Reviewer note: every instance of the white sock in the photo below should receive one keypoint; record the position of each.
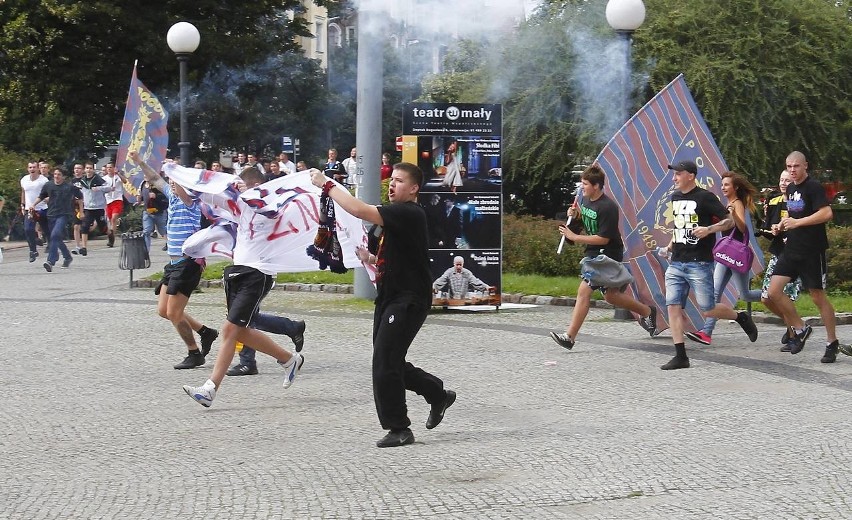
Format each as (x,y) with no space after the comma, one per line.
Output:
(209,385)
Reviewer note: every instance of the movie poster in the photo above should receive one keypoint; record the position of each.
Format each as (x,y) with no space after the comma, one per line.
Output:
(458,147)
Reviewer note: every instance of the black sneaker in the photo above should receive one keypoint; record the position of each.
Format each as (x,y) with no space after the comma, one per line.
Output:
(66,262)
(111,239)
(75,251)
(299,337)
(396,438)
(748,325)
(436,415)
(786,338)
(787,346)
(192,360)
(846,349)
(83,251)
(242,370)
(797,342)
(830,355)
(676,363)
(650,323)
(207,340)
(48,267)
(562,339)
(33,256)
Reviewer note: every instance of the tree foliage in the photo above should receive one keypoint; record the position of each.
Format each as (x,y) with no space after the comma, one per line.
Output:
(65,66)
(769,77)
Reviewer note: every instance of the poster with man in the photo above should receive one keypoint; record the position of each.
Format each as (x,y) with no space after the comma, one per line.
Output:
(458,147)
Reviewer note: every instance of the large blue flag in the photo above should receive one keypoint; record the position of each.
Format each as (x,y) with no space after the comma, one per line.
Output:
(668,128)
(144,130)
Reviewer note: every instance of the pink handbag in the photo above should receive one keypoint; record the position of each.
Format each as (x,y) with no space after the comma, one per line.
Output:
(734,253)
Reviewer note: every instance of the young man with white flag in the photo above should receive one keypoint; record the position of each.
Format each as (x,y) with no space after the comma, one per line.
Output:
(247,283)
(182,274)
(404,285)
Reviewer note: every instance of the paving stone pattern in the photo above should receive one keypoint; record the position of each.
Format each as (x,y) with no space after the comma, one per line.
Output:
(95,424)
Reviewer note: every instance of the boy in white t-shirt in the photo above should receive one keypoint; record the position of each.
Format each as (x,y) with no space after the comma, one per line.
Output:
(114,200)
(31,185)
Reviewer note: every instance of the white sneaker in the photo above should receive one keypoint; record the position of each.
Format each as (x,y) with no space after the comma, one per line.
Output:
(202,395)
(292,367)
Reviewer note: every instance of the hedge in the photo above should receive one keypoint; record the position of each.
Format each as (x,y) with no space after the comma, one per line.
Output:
(529,247)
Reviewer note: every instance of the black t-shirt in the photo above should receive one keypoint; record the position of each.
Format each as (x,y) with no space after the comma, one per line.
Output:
(600,217)
(403,254)
(698,208)
(804,200)
(62,198)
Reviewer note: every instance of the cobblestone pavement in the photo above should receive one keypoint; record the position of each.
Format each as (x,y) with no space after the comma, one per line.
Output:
(95,424)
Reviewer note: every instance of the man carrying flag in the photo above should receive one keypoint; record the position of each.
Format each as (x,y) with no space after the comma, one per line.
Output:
(182,274)
(602,239)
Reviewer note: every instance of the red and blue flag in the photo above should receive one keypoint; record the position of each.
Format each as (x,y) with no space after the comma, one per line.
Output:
(145,130)
(667,129)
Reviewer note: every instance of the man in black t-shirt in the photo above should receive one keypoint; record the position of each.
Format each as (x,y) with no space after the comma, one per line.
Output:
(804,256)
(404,284)
(63,199)
(600,220)
(697,216)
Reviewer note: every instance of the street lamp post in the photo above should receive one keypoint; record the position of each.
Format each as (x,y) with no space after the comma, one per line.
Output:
(183,38)
(625,16)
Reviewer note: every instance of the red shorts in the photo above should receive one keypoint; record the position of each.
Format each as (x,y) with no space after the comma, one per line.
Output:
(114,208)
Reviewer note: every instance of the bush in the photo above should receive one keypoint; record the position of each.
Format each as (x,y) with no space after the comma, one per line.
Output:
(529,247)
(839,258)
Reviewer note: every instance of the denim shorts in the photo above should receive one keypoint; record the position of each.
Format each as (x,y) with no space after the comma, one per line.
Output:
(681,276)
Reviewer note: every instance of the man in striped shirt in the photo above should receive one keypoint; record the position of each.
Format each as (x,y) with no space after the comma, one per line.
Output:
(182,274)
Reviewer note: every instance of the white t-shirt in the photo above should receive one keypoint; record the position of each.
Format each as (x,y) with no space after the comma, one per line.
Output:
(32,189)
(114,182)
(287,167)
(351,167)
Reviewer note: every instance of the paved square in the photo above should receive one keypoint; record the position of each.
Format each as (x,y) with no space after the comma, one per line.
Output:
(95,424)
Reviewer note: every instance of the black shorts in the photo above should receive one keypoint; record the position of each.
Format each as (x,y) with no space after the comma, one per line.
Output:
(811,268)
(245,288)
(182,277)
(91,216)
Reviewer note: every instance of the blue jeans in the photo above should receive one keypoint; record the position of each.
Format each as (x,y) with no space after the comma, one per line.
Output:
(681,276)
(721,276)
(266,323)
(151,221)
(30,228)
(57,239)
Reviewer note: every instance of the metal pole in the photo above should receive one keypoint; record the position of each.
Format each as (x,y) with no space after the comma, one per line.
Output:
(185,159)
(624,314)
(369,119)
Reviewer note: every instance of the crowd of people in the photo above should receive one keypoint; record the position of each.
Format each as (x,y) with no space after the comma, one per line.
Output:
(795,223)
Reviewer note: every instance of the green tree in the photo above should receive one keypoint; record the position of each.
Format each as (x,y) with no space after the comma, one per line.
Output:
(65,66)
(769,77)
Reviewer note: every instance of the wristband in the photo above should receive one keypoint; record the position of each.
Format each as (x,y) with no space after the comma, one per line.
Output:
(327,186)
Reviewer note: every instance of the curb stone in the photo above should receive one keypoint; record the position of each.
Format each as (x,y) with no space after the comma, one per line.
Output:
(843,318)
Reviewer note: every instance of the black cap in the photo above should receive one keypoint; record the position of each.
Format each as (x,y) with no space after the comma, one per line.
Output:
(685,166)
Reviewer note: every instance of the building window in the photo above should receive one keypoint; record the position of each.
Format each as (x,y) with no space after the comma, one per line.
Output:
(350,35)
(319,34)
(335,38)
